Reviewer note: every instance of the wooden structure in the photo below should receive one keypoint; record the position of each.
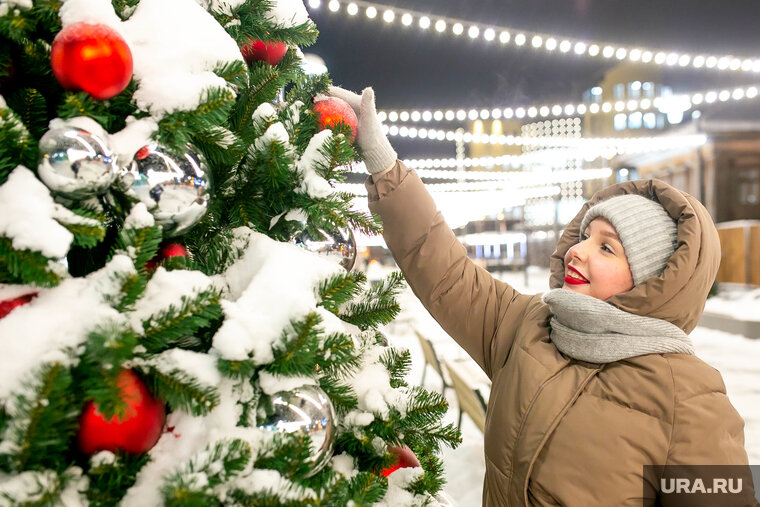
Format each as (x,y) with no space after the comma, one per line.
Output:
(469,398)
(740,246)
(431,359)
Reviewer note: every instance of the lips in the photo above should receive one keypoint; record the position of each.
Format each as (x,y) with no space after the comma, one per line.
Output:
(575,281)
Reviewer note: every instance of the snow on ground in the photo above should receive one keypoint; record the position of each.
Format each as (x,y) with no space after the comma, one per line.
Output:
(736,357)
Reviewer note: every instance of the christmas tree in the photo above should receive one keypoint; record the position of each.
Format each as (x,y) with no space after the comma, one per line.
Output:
(179,320)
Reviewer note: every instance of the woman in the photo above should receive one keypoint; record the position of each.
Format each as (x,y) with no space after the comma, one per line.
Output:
(597,378)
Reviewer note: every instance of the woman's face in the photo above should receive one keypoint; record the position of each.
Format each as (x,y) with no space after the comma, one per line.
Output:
(597,265)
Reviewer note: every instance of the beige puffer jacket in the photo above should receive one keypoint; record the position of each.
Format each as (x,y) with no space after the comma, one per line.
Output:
(559,431)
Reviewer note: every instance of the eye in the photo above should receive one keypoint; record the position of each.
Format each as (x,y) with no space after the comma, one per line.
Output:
(607,249)
(584,237)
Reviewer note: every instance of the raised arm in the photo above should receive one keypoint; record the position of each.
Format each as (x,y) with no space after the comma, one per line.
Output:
(481,313)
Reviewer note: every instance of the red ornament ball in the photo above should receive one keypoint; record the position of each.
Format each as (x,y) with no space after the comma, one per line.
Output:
(166,251)
(92,58)
(332,110)
(260,51)
(405,459)
(135,433)
(7,306)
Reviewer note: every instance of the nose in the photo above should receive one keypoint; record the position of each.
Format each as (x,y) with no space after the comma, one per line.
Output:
(577,251)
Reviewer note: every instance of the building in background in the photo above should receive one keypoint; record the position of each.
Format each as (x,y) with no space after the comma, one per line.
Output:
(724,173)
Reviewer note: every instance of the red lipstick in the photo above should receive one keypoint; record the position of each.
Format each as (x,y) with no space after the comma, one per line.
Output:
(574,281)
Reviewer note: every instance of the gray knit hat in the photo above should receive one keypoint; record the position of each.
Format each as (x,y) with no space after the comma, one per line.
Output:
(648,233)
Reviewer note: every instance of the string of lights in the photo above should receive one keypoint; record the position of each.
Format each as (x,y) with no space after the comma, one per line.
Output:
(423,167)
(499,189)
(619,144)
(566,46)
(682,102)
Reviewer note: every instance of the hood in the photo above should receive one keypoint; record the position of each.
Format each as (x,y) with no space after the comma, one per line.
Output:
(678,295)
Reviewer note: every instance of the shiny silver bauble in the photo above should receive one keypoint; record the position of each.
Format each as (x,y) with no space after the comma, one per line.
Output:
(75,163)
(176,188)
(306,410)
(338,245)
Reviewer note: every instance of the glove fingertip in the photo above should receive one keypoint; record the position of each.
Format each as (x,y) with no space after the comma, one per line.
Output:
(368,99)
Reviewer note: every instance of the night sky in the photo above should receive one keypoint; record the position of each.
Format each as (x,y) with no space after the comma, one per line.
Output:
(411,69)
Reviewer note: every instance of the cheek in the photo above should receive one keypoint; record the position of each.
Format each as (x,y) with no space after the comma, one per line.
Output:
(617,276)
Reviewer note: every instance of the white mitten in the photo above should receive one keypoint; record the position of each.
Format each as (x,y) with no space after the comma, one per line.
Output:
(378,152)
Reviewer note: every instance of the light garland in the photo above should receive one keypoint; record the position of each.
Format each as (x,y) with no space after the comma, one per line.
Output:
(460,207)
(423,167)
(529,181)
(682,102)
(481,188)
(626,144)
(521,178)
(565,46)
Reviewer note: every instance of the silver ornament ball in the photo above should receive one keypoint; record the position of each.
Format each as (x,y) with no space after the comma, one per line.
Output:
(176,188)
(309,411)
(338,245)
(75,163)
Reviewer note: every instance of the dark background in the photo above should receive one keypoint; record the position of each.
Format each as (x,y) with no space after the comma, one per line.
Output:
(414,69)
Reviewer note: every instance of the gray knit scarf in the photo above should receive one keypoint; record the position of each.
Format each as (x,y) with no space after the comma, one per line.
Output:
(589,329)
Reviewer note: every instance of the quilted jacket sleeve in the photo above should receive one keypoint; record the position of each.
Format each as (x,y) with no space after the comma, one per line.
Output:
(481,313)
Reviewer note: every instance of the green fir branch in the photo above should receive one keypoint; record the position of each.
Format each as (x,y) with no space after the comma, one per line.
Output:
(262,87)
(272,179)
(162,330)
(124,8)
(301,35)
(17,27)
(182,392)
(176,130)
(109,481)
(213,249)
(339,356)
(424,407)
(268,498)
(235,73)
(45,13)
(367,314)
(360,445)
(26,267)
(140,244)
(82,104)
(378,306)
(17,147)
(305,88)
(340,288)
(432,479)
(364,488)
(299,348)
(397,362)
(106,350)
(433,437)
(342,396)
(252,21)
(40,422)
(217,464)
(86,235)
(335,211)
(289,453)
(336,153)
(237,369)
(31,107)
(132,288)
